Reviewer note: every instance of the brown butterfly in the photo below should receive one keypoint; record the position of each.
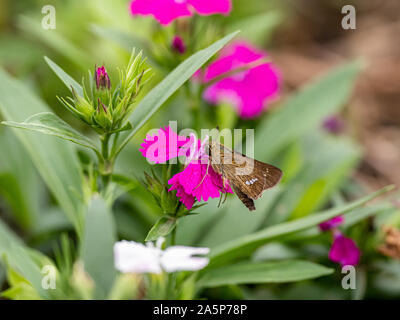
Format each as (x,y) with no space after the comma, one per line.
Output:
(248,177)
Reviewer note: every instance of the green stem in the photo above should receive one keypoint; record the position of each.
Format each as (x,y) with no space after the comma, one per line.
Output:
(104,145)
(173,237)
(106,163)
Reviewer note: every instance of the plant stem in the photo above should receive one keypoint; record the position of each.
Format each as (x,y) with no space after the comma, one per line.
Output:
(106,164)
(173,237)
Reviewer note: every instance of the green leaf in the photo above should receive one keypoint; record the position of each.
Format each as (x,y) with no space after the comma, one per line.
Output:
(49,123)
(245,245)
(64,77)
(17,255)
(162,228)
(152,102)
(266,272)
(11,191)
(305,111)
(98,247)
(239,219)
(327,162)
(20,184)
(55,160)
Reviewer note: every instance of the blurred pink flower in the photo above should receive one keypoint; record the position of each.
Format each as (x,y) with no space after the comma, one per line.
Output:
(166,11)
(344,250)
(249,90)
(163,145)
(333,124)
(331,224)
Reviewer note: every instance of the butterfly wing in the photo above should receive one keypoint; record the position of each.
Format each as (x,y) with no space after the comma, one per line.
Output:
(248,202)
(251,177)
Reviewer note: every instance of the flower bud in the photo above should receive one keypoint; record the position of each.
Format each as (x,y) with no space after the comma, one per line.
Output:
(178,45)
(103,116)
(102,79)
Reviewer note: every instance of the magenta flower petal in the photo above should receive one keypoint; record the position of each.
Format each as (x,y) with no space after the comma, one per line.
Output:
(164,11)
(102,79)
(208,7)
(162,146)
(344,251)
(331,224)
(189,182)
(232,57)
(248,91)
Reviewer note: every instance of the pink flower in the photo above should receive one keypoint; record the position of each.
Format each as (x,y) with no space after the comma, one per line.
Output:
(195,182)
(344,251)
(249,90)
(164,145)
(166,11)
(331,224)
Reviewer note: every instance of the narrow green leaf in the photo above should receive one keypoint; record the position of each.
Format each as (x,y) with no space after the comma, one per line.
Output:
(266,272)
(306,110)
(245,245)
(64,77)
(49,123)
(11,191)
(152,102)
(98,247)
(55,160)
(162,228)
(17,256)
(239,219)
(19,181)
(327,162)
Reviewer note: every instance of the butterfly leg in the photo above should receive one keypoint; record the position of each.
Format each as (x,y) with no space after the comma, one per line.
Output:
(205,175)
(226,196)
(220,199)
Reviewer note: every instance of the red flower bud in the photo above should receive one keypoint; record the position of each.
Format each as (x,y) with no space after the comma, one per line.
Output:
(178,45)
(102,79)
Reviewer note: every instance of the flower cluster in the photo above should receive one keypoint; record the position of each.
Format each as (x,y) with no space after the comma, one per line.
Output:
(133,257)
(197,181)
(166,11)
(241,76)
(104,109)
(344,250)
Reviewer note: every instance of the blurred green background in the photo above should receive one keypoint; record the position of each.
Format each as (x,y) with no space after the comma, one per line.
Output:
(321,64)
